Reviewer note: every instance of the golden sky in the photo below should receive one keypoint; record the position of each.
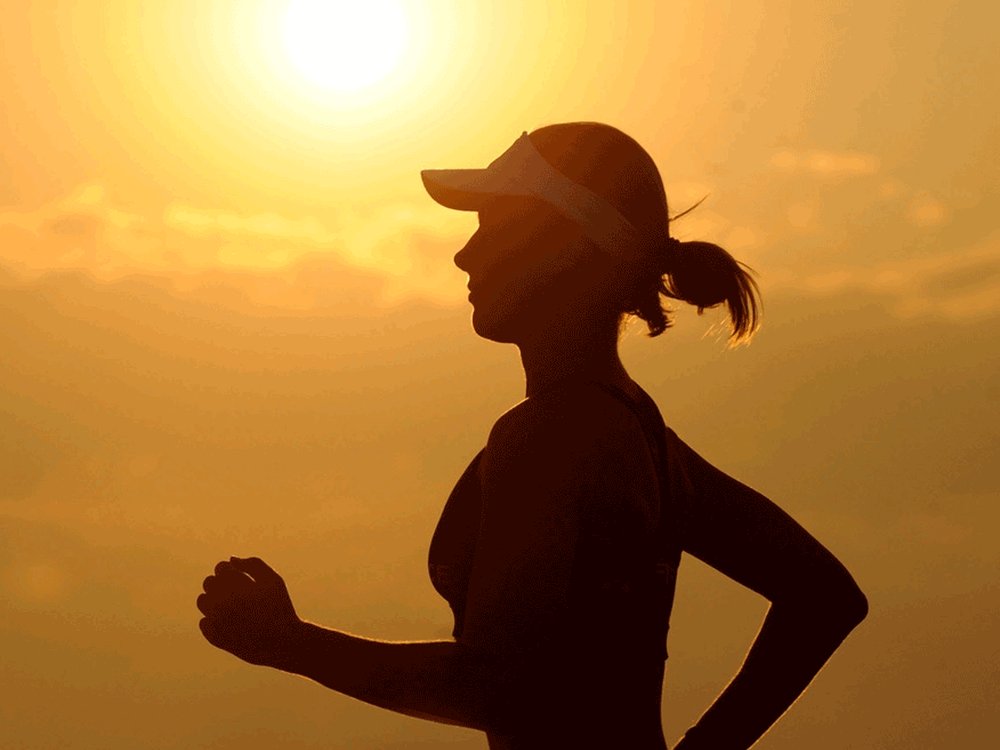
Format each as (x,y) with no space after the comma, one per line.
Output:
(232,325)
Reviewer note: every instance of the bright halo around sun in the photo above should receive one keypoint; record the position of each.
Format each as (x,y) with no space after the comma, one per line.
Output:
(345,45)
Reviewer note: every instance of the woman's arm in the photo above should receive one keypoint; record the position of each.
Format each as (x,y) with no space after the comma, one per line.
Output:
(442,681)
(249,613)
(815,602)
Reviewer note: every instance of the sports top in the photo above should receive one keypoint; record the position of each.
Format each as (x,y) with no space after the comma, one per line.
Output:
(625,566)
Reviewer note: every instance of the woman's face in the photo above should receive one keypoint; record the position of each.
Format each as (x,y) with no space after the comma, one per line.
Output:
(523,264)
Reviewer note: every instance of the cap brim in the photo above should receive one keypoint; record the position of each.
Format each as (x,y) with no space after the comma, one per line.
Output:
(461,189)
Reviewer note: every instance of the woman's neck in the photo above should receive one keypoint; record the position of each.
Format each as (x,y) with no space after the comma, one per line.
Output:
(553,358)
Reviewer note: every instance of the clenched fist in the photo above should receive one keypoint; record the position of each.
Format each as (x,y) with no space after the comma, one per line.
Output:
(248,612)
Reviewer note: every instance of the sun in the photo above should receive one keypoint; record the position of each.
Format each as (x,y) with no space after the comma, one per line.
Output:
(345,45)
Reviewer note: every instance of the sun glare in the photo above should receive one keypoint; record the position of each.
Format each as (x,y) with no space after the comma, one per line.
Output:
(345,45)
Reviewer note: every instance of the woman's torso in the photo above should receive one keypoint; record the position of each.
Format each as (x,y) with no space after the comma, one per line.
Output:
(620,594)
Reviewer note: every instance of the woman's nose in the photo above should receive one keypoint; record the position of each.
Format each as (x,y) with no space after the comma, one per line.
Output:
(462,256)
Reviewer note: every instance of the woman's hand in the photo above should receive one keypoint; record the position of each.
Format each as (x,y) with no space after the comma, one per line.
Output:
(248,612)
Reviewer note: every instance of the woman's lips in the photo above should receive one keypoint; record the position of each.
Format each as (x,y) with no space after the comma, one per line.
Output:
(480,291)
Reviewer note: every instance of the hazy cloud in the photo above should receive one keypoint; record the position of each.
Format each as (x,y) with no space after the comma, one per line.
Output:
(959,285)
(203,222)
(925,210)
(803,214)
(826,163)
(410,249)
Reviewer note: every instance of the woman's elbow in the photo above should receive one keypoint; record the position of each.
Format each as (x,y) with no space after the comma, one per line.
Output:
(854,606)
(844,605)
(836,603)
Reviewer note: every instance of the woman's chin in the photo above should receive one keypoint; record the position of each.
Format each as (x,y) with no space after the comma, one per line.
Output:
(489,325)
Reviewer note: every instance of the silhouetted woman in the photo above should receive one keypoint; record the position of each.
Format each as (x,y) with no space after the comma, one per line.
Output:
(559,546)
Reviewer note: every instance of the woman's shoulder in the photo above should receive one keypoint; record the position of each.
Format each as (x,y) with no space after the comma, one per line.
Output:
(580,414)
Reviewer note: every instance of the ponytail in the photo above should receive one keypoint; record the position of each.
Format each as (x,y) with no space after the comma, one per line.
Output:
(613,166)
(704,275)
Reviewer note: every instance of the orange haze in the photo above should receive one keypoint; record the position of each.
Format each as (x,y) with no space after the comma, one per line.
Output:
(232,325)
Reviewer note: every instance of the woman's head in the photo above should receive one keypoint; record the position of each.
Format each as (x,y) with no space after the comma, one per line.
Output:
(528,268)
(528,263)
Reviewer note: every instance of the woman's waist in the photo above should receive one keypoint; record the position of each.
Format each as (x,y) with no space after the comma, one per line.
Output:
(564,680)
(565,741)
(587,728)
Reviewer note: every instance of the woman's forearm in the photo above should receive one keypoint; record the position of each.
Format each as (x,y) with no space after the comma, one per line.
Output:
(441,681)
(790,649)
